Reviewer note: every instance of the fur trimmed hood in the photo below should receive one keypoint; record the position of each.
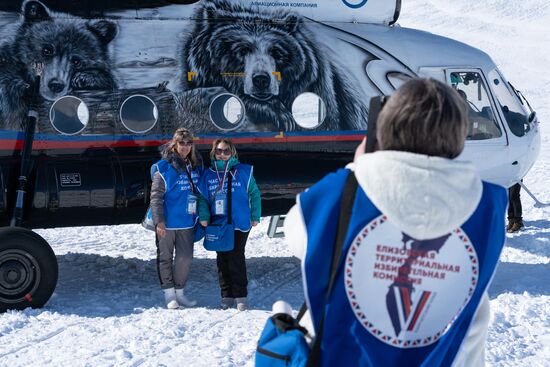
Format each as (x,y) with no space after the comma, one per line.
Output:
(426,197)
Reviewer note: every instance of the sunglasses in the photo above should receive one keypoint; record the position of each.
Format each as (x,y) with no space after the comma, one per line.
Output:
(225,151)
(185,143)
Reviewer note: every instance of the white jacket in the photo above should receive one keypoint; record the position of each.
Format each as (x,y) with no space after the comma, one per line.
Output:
(410,188)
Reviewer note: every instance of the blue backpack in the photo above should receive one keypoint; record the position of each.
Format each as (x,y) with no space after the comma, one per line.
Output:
(283,342)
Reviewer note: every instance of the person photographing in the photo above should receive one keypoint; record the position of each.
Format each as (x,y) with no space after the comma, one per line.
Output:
(420,240)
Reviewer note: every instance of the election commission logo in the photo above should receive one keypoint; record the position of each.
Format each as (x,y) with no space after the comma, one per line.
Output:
(407,292)
(355,4)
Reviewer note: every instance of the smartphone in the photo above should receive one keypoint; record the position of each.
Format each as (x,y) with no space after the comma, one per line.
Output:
(375,106)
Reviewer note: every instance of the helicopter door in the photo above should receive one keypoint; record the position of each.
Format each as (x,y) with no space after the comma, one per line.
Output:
(520,123)
(486,144)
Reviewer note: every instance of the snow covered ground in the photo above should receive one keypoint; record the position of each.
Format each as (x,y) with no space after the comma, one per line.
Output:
(107,309)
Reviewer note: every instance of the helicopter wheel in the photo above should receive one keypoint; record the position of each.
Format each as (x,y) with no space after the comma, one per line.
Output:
(28,269)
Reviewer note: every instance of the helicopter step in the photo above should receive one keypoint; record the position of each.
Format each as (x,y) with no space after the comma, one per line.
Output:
(275,222)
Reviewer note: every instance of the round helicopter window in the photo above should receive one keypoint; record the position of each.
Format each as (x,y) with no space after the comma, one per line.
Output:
(69,115)
(139,113)
(309,110)
(227,111)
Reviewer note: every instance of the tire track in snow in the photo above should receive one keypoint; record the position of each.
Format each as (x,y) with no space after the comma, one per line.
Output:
(41,339)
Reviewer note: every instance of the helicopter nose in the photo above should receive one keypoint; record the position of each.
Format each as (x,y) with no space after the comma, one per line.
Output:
(56,86)
(261,81)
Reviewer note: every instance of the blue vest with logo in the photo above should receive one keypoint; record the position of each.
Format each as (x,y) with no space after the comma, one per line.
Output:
(240,202)
(396,301)
(176,195)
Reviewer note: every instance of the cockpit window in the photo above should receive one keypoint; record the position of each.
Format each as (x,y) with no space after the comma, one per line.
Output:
(483,124)
(509,102)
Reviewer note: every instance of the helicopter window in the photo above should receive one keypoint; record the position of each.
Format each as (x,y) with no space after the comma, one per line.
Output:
(516,116)
(397,79)
(138,113)
(309,110)
(483,124)
(69,115)
(227,111)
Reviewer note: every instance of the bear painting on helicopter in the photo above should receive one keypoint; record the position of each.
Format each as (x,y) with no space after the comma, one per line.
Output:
(278,58)
(74,53)
(223,66)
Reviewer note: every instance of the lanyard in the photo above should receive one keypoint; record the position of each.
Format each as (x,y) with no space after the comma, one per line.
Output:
(188,170)
(221,180)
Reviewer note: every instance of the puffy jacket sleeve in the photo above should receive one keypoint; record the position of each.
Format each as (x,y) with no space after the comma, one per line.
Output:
(158,188)
(255,200)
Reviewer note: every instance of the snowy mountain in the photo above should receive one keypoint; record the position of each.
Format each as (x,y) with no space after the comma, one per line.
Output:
(108,309)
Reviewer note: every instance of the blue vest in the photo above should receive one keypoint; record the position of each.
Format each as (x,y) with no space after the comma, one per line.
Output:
(176,194)
(396,301)
(240,202)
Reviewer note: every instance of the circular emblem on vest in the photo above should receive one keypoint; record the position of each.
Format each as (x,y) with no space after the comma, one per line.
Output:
(407,292)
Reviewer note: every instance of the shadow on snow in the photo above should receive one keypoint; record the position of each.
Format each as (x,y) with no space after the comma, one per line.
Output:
(100,286)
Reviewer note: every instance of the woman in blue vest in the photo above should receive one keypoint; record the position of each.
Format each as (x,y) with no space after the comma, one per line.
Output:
(174,207)
(424,237)
(245,214)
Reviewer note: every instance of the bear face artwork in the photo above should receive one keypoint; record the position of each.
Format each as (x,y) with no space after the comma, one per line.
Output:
(241,50)
(72,51)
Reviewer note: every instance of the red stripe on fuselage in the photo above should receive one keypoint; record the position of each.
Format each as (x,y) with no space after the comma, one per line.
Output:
(14,144)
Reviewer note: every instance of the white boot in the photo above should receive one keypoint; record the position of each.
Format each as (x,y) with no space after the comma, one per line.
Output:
(242,303)
(170,299)
(183,300)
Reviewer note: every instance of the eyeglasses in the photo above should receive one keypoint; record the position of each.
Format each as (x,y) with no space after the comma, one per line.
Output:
(225,151)
(185,143)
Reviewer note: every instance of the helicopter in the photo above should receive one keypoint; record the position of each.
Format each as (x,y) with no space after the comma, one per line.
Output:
(90,90)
